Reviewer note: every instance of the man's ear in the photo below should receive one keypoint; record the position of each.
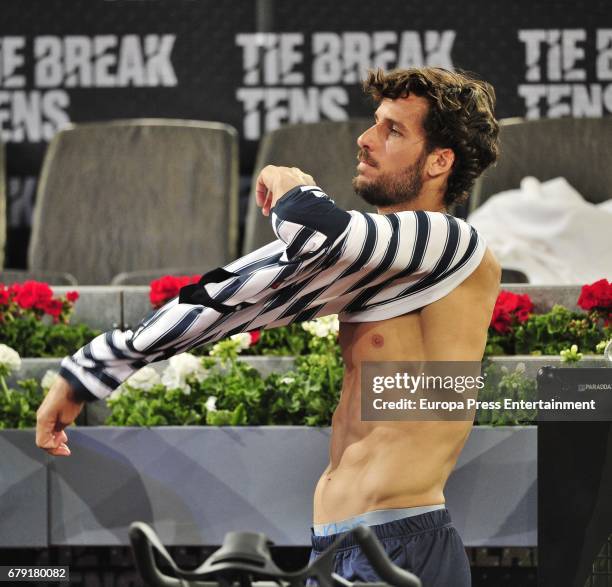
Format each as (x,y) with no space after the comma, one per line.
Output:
(440,161)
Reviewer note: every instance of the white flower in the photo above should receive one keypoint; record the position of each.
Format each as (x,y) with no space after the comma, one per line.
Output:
(323,327)
(9,358)
(189,365)
(181,367)
(520,368)
(48,379)
(243,339)
(287,380)
(172,380)
(144,379)
(211,404)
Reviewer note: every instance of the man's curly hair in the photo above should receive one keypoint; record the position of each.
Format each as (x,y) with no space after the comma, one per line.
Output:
(460,117)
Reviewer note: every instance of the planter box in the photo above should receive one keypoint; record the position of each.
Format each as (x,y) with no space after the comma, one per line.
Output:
(33,369)
(492,494)
(193,484)
(98,306)
(136,304)
(196,484)
(23,491)
(544,297)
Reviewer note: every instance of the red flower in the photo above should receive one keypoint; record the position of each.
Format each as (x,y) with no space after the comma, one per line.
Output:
(597,295)
(32,294)
(524,307)
(54,308)
(72,296)
(509,309)
(501,321)
(255,336)
(4,295)
(506,301)
(522,314)
(168,287)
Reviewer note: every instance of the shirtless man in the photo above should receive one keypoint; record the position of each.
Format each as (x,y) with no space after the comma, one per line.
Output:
(391,475)
(434,133)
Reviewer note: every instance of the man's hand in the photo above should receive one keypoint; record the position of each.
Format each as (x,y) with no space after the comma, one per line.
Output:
(58,410)
(274,182)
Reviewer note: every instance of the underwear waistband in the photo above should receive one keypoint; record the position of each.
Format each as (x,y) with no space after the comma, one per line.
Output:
(405,528)
(373,518)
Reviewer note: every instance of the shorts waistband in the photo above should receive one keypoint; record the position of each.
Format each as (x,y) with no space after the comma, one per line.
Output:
(373,518)
(411,525)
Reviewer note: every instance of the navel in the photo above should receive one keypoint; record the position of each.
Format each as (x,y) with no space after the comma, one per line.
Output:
(378,340)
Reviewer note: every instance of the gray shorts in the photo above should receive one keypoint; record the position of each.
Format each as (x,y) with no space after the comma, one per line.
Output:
(427,545)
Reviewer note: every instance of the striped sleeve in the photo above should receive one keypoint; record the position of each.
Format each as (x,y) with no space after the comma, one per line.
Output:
(99,367)
(307,220)
(307,223)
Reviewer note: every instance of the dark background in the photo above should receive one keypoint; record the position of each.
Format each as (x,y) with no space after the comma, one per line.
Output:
(208,63)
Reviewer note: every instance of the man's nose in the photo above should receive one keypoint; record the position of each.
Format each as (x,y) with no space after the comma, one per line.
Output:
(365,140)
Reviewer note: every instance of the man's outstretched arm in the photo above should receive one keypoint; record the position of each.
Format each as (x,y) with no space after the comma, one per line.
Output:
(307,224)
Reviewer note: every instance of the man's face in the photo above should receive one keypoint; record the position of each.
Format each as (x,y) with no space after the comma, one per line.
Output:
(392,153)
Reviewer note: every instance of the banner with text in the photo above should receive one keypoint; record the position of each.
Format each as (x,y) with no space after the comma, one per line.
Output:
(73,61)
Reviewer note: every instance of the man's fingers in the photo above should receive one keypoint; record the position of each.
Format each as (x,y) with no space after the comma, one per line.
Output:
(274,181)
(261,192)
(49,440)
(57,411)
(50,433)
(45,434)
(262,187)
(54,443)
(265,209)
(61,451)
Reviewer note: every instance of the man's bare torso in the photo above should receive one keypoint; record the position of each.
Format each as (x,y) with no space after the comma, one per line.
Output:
(381,465)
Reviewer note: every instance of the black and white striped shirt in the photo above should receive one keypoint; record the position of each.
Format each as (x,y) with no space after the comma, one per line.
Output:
(361,266)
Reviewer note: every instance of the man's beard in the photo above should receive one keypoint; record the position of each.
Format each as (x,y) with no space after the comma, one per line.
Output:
(390,189)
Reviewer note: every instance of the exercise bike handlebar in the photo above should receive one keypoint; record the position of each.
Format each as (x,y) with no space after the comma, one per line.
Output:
(144,539)
(380,562)
(142,548)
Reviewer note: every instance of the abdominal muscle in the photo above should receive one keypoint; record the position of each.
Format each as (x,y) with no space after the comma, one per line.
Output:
(382,465)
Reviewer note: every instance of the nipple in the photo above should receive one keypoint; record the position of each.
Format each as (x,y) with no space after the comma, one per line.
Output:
(378,340)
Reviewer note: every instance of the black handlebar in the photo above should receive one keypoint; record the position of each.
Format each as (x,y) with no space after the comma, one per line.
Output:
(142,545)
(244,555)
(380,562)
